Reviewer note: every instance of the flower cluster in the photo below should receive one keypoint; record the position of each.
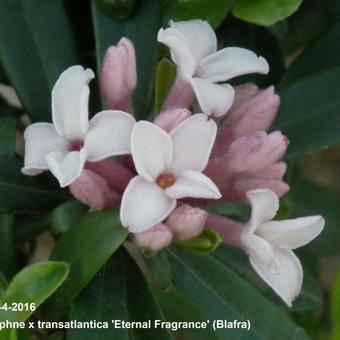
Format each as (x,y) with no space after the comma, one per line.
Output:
(169,167)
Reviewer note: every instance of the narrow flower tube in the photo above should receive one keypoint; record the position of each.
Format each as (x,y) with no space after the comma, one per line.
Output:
(186,222)
(154,239)
(169,119)
(118,76)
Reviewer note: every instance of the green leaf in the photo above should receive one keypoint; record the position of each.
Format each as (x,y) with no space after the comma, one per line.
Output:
(116,9)
(178,10)
(316,57)
(309,114)
(219,293)
(237,211)
(312,199)
(42,48)
(264,12)
(3,285)
(160,269)
(65,215)
(165,77)
(86,247)
(335,307)
(103,299)
(309,298)
(33,284)
(7,136)
(144,36)
(7,252)
(204,244)
(20,193)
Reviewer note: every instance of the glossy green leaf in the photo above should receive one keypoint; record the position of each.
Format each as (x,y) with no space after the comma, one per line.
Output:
(165,77)
(335,307)
(33,284)
(7,252)
(265,12)
(312,199)
(86,247)
(7,136)
(219,293)
(116,9)
(103,299)
(33,59)
(65,215)
(144,36)
(235,210)
(309,298)
(20,193)
(316,57)
(178,10)
(160,269)
(309,114)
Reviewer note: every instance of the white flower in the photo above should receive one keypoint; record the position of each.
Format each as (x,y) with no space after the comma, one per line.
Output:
(193,47)
(269,243)
(64,146)
(169,167)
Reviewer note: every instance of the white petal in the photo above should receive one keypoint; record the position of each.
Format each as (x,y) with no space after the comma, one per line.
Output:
(286,283)
(193,140)
(231,62)
(143,205)
(40,140)
(264,205)
(292,233)
(109,135)
(70,97)
(214,99)
(193,184)
(151,149)
(199,36)
(179,49)
(66,167)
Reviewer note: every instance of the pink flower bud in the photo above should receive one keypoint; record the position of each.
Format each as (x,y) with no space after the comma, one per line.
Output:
(156,238)
(181,95)
(255,112)
(272,171)
(229,230)
(169,119)
(92,190)
(118,76)
(249,153)
(187,222)
(116,175)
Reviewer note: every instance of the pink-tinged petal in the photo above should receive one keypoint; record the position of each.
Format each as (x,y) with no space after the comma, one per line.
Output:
(293,233)
(253,152)
(272,171)
(287,282)
(151,149)
(254,113)
(199,36)
(192,140)
(214,99)
(154,239)
(264,205)
(118,75)
(187,222)
(243,92)
(143,205)
(169,119)
(70,96)
(179,49)
(193,184)
(231,62)
(109,135)
(90,189)
(116,175)
(181,95)
(40,140)
(229,230)
(66,167)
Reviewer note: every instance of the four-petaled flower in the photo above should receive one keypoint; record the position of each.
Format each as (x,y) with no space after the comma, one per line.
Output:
(269,243)
(169,167)
(64,146)
(193,47)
